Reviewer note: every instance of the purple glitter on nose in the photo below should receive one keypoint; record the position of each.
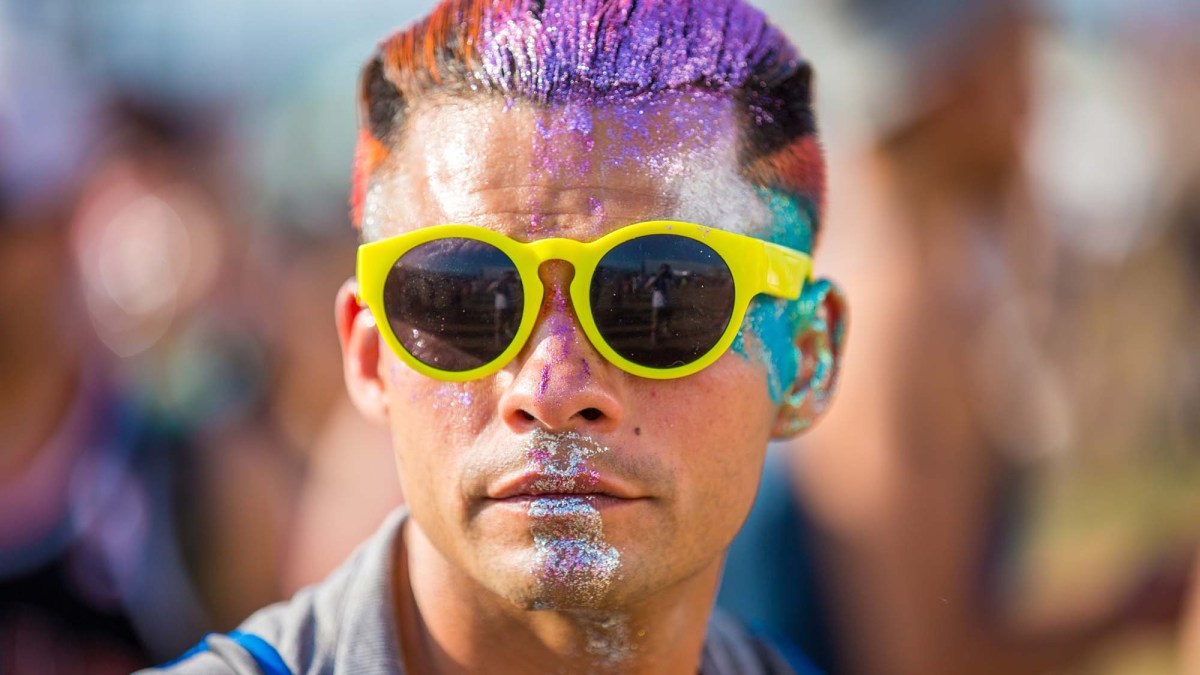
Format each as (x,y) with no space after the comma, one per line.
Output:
(562,336)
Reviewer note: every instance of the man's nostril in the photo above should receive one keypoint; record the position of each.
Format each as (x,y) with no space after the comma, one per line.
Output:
(591,414)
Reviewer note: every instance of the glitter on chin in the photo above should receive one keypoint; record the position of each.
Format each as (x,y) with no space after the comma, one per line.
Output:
(574,563)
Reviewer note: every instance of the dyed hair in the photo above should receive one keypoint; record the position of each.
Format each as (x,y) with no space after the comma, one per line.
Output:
(559,51)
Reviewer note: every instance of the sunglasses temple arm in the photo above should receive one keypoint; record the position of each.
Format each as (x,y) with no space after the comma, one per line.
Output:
(785,271)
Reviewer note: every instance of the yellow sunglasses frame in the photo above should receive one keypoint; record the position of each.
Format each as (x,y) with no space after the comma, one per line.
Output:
(757,267)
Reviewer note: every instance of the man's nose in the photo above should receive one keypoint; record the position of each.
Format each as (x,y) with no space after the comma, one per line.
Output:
(561,382)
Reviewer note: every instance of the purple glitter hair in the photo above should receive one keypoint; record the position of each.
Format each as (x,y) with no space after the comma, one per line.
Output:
(558,51)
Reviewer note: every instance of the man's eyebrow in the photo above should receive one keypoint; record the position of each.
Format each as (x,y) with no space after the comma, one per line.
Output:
(589,190)
(551,220)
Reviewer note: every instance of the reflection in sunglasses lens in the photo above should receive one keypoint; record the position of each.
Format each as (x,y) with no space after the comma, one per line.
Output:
(454,303)
(662,300)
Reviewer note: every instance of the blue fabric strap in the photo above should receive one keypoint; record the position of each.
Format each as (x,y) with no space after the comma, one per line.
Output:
(264,654)
(269,661)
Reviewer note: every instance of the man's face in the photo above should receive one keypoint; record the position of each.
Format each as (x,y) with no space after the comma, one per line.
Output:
(563,481)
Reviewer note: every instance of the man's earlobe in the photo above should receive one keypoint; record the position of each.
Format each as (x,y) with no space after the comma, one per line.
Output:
(360,353)
(820,342)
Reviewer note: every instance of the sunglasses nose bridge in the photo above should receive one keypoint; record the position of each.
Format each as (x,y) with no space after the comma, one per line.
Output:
(566,251)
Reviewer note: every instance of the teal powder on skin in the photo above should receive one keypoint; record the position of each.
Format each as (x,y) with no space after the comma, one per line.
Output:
(766,333)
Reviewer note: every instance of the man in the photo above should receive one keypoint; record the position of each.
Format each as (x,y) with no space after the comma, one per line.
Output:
(570,492)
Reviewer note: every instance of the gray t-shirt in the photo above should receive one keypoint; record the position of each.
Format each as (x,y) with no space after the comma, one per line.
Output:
(346,624)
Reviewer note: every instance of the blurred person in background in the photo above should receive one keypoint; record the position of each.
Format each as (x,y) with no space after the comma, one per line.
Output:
(125,526)
(162,261)
(1127,215)
(1168,259)
(897,524)
(91,573)
(300,257)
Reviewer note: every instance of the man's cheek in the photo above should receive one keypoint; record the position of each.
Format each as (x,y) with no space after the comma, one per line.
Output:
(445,405)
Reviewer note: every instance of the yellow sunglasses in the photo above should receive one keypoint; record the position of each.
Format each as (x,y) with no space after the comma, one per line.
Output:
(659,299)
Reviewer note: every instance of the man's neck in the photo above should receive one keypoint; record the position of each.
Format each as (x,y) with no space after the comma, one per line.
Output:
(449,625)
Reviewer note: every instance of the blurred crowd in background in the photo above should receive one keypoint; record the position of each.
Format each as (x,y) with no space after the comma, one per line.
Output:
(1009,482)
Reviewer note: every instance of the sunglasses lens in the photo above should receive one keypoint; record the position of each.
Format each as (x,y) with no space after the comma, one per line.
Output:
(454,303)
(662,300)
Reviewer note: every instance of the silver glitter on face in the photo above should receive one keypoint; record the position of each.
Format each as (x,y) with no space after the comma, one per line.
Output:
(562,460)
(574,563)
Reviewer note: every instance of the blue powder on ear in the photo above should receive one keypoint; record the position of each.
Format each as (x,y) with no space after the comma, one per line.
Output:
(770,324)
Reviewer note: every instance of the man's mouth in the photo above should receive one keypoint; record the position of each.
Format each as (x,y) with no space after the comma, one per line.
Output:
(562,467)
(537,485)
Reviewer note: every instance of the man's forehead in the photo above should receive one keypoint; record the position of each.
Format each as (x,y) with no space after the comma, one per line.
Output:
(567,166)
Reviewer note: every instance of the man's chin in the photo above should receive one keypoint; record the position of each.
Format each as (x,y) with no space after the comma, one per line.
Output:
(572,563)
(561,576)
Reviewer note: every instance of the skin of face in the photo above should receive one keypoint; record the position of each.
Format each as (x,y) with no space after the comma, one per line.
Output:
(685,455)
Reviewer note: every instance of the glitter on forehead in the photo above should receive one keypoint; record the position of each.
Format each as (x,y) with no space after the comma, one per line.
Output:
(598,213)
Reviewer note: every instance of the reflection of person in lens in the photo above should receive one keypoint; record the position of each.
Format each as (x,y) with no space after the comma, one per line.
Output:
(659,286)
(503,290)
(565,514)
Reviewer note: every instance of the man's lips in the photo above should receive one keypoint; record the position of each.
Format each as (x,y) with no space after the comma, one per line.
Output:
(536,485)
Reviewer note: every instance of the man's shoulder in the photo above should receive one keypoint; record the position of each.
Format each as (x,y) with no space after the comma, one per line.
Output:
(233,654)
(728,649)
(346,624)
(305,634)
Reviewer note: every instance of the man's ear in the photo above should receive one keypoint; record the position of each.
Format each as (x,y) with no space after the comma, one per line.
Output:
(360,353)
(820,341)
